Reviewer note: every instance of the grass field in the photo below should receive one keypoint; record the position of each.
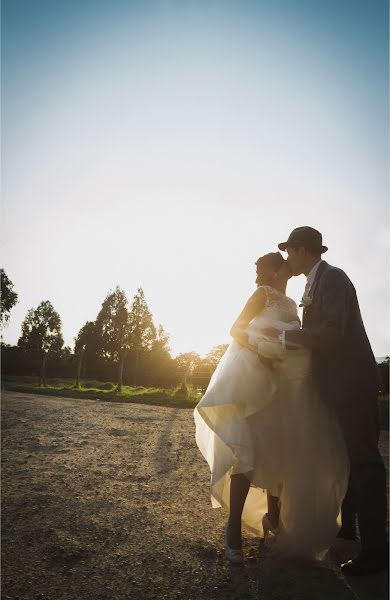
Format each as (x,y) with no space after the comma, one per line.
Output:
(181,397)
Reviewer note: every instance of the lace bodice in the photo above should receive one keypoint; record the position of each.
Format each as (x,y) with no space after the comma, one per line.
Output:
(279,306)
(280,313)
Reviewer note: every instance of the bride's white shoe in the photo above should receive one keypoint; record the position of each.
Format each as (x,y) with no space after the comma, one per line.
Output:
(268,527)
(234,555)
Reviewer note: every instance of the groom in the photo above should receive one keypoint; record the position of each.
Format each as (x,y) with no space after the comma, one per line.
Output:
(347,378)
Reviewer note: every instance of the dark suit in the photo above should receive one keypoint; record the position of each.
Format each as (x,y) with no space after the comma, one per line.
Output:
(348,381)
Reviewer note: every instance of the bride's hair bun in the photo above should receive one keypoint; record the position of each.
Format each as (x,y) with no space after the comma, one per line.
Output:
(272,260)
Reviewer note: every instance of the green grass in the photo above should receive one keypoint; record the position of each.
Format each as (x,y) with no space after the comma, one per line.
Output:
(97,390)
(180,397)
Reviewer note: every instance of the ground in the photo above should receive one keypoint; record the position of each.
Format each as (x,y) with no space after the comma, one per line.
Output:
(109,501)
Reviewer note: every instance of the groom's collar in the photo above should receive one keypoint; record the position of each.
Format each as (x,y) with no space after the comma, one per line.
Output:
(320,268)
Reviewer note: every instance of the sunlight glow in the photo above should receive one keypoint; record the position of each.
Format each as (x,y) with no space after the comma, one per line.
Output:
(169,150)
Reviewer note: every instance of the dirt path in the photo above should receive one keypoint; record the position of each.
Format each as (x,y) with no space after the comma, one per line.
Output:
(111,501)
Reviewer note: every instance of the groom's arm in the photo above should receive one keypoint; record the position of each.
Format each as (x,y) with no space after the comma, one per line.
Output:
(332,327)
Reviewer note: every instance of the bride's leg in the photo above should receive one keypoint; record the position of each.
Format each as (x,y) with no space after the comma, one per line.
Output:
(239,487)
(273,509)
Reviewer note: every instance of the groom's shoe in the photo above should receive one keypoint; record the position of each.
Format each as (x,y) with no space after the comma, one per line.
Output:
(368,562)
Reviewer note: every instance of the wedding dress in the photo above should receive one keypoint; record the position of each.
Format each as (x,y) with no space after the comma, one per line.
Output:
(270,425)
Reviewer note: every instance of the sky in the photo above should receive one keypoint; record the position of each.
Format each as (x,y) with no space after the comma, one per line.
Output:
(169,144)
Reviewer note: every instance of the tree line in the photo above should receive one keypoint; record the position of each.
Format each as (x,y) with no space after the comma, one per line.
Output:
(122,345)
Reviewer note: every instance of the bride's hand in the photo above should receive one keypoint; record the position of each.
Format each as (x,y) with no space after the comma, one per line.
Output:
(271,332)
(267,362)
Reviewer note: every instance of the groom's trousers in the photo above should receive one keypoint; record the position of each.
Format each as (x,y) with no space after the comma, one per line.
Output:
(366,496)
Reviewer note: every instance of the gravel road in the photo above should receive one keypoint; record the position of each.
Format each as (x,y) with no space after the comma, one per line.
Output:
(111,501)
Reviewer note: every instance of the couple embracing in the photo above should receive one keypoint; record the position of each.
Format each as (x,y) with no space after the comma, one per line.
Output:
(289,423)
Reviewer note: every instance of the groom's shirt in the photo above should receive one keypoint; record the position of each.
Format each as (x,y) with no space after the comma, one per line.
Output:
(309,282)
(311,277)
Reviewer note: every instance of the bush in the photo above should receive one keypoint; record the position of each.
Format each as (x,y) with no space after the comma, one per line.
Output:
(183,391)
(97,385)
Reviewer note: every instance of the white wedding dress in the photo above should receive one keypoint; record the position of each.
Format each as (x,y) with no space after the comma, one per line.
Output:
(270,425)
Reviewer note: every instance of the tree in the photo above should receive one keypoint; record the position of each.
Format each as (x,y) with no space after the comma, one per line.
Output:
(161,363)
(42,332)
(384,374)
(215,355)
(8,298)
(201,374)
(83,340)
(113,330)
(186,363)
(142,332)
(162,339)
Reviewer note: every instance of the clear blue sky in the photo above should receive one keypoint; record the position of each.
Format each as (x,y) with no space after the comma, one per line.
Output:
(169,144)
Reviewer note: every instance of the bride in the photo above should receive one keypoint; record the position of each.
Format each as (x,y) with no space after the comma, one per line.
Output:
(277,458)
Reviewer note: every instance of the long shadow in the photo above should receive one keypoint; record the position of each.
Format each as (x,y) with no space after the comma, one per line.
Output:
(268,578)
(162,450)
(297,579)
(264,577)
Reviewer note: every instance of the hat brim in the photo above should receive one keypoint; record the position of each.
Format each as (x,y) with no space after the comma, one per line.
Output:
(283,246)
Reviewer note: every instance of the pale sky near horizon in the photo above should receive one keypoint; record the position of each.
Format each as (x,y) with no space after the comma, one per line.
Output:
(169,144)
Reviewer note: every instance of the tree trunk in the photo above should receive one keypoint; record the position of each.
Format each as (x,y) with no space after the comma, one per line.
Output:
(120,372)
(43,371)
(136,365)
(120,369)
(79,365)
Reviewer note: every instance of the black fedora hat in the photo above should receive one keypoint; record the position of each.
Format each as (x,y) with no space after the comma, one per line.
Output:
(307,237)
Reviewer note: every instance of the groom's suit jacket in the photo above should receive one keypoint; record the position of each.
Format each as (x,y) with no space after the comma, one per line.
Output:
(343,362)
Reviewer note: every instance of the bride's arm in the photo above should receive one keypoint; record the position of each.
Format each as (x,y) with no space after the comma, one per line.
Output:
(252,308)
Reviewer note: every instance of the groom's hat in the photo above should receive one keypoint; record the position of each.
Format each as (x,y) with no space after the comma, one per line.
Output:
(309,238)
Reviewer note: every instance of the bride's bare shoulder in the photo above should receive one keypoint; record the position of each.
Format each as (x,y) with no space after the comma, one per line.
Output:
(262,292)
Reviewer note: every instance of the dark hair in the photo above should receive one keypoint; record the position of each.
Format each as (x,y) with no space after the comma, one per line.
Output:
(272,260)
